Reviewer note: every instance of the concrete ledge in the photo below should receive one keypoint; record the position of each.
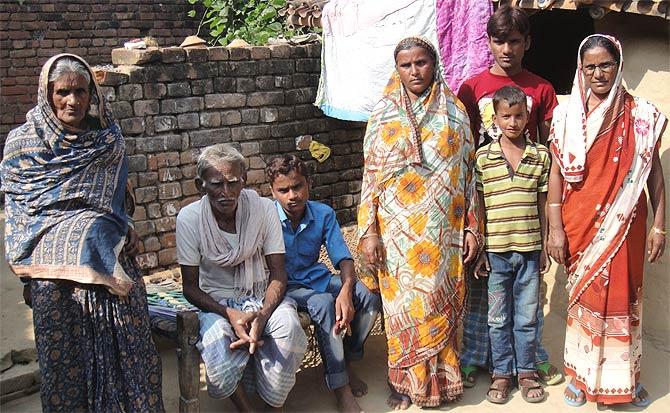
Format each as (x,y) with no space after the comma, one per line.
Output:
(19,380)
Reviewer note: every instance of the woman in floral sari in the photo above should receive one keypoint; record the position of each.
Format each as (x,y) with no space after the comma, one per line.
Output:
(418,224)
(605,148)
(64,175)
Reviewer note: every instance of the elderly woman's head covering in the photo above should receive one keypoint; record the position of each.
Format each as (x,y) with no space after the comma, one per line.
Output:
(572,131)
(53,69)
(65,188)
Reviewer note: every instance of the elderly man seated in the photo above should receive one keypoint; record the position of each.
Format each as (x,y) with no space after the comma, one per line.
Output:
(231,251)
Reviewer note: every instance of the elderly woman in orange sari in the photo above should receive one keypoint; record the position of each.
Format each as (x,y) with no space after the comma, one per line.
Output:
(605,148)
(418,224)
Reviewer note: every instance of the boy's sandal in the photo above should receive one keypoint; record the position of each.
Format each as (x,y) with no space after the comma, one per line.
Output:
(502,385)
(577,392)
(526,384)
(549,374)
(640,402)
(469,376)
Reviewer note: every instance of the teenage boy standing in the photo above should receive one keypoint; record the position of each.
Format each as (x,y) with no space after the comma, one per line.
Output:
(509,38)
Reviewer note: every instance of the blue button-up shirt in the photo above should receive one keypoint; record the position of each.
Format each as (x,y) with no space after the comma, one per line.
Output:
(303,245)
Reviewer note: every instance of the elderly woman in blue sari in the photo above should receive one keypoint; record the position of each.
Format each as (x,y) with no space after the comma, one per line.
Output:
(67,211)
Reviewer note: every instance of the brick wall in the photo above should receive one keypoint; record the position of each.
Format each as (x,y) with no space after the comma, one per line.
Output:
(259,98)
(32,32)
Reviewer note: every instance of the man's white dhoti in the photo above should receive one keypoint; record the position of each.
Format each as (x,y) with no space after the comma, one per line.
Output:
(270,370)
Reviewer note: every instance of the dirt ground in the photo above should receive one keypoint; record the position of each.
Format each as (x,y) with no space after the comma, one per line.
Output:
(310,393)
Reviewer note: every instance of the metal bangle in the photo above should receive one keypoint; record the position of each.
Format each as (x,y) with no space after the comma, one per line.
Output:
(658,231)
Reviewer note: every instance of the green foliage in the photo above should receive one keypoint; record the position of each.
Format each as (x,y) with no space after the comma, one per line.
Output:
(252,20)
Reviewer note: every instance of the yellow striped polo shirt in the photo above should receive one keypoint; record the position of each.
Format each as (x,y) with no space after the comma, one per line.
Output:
(510,197)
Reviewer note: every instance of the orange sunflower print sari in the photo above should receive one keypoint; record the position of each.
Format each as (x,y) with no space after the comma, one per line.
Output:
(419,192)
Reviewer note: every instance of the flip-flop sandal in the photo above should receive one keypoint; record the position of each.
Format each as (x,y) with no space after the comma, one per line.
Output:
(642,402)
(526,384)
(401,397)
(577,392)
(503,385)
(469,376)
(549,374)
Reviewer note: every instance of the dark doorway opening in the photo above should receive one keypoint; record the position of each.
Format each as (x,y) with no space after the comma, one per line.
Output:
(555,38)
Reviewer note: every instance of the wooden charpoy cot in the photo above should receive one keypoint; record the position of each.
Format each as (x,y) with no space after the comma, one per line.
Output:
(185,329)
(188,357)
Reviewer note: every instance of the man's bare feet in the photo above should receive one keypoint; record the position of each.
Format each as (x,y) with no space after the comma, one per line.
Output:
(346,402)
(399,401)
(359,388)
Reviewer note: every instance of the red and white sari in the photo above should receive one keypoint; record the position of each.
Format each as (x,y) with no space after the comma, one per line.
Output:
(605,159)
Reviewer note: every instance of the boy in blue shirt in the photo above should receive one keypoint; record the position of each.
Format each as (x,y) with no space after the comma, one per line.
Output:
(342,309)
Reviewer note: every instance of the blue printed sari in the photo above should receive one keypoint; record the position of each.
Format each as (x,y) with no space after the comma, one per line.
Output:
(66,225)
(65,194)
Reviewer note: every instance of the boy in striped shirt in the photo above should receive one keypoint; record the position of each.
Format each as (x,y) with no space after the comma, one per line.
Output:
(512,181)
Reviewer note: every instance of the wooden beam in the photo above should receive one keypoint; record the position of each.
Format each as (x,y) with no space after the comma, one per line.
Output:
(188,361)
(655,8)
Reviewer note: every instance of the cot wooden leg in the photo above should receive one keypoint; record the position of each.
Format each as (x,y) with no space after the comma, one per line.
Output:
(188,357)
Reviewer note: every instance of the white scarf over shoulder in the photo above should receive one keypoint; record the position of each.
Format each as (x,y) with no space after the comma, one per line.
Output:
(573,134)
(251,277)
(572,131)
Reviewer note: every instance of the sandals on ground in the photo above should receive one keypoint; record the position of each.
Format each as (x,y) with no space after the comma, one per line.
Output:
(503,385)
(641,402)
(469,376)
(577,392)
(549,374)
(401,398)
(528,383)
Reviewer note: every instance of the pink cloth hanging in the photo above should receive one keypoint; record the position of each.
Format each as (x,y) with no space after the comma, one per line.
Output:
(461,32)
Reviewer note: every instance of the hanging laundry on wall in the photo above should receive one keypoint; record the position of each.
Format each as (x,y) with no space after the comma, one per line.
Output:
(359,37)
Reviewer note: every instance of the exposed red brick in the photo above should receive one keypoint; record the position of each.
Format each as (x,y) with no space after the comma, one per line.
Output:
(168,240)
(89,29)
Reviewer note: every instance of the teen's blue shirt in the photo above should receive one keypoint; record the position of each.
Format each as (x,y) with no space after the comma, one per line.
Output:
(303,245)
